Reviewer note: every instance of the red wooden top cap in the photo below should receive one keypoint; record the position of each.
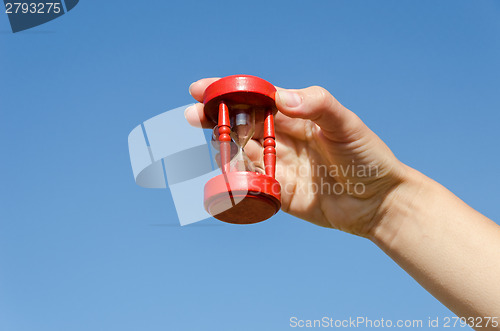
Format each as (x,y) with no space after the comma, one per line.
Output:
(238,89)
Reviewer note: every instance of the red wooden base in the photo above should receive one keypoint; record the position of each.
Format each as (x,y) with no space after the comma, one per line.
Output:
(242,197)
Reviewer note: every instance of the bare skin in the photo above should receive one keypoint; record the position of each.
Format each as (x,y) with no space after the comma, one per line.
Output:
(335,172)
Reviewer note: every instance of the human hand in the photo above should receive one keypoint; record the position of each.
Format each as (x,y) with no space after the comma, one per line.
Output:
(333,170)
(443,243)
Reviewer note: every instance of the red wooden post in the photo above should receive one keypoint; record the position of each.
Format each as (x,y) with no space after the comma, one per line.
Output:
(269,144)
(224,137)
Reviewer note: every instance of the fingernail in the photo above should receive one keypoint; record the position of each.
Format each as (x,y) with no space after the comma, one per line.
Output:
(289,98)
(190,88)
(187,110)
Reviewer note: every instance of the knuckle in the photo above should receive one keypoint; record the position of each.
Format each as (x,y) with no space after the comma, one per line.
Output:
(323,98)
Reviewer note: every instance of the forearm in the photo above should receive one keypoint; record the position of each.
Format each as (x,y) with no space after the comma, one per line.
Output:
(449,248)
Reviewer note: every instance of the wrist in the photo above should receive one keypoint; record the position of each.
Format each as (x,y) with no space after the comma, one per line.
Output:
(399,206)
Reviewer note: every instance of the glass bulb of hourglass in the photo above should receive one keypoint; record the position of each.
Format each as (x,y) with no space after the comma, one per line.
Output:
(241,162)
(243,128)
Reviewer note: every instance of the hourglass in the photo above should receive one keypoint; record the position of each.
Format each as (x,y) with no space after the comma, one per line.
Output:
(243,193)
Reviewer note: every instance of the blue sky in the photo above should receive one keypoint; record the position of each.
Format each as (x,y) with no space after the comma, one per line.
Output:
(83,248)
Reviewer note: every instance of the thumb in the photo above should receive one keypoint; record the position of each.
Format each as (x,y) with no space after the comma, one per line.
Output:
(318,105)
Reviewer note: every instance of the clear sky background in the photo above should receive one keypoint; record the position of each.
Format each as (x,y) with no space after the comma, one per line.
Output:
(82,247)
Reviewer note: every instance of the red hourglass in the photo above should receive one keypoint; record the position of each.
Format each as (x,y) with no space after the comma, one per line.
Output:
(242,194)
